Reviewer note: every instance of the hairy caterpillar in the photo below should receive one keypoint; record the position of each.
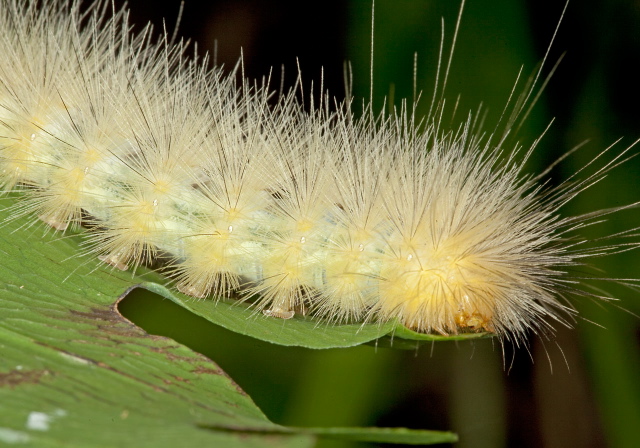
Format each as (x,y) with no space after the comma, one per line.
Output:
(375,218)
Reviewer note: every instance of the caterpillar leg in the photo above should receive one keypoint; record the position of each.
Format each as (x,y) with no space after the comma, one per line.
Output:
(278,312)
(191,290)
(474,321)
(114,260)
(54,221)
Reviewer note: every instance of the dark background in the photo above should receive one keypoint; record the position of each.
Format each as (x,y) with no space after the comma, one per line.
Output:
(581,388)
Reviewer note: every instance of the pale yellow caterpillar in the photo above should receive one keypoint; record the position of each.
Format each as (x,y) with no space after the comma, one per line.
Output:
(237,191)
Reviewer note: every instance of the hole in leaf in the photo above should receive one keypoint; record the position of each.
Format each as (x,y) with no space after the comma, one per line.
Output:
(358,386)
(263,370)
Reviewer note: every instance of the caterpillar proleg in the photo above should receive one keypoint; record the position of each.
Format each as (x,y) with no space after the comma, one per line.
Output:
(242,192)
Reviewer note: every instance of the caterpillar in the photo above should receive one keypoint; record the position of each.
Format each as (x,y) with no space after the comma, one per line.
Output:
(235,191)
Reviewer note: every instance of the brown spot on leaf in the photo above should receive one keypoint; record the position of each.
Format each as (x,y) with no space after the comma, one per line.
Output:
(109,321)
(99,314)
(200,370)
(180,379)
(166,351)
(17,377)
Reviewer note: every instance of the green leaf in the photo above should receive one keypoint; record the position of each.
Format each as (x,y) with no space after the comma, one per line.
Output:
(74,372)
(66,266)
(299,331)
(377,435)
(385,435)
(406,339)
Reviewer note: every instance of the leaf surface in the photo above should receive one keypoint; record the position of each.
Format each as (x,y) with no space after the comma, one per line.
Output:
(75,373)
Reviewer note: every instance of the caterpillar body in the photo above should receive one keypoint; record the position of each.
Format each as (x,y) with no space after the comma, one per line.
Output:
(351,218)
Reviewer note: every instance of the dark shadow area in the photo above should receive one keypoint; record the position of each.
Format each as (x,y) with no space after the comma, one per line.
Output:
(441,387)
